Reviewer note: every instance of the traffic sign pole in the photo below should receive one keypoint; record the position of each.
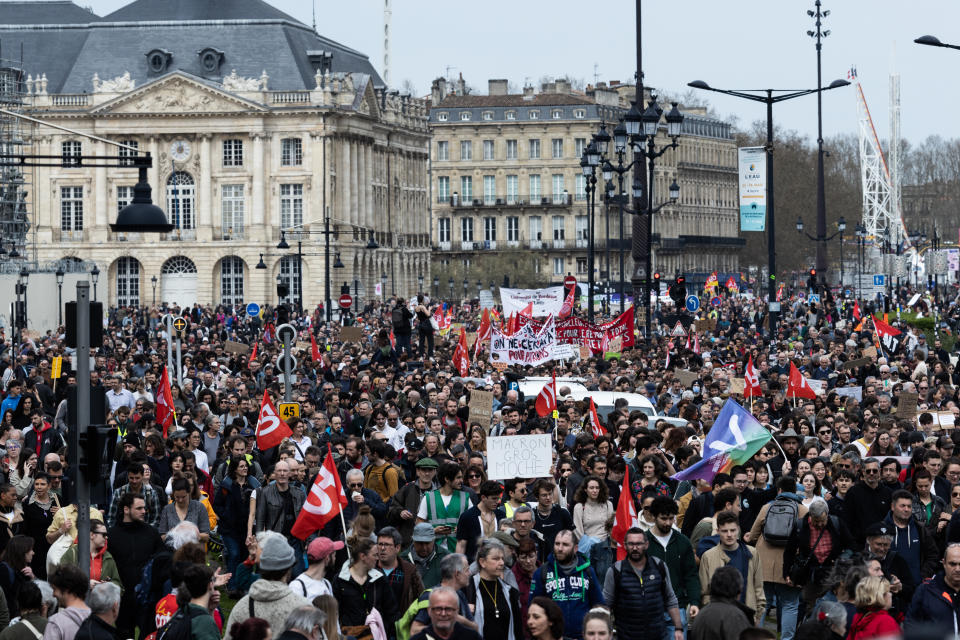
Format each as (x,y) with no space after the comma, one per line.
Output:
(168,322)
(286,334)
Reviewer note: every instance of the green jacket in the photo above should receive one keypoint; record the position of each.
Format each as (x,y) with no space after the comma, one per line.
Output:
(430,570)
(108,569)
(202,624)
(678,556)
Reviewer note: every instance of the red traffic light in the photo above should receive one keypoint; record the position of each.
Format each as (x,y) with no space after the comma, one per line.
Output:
(813,272)
(656,275)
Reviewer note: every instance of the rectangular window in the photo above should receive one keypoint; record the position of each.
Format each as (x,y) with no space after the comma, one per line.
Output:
(466,229)
(490,229)
(511,149)
(466,150)
(558,230)
(513,189)
(71,208)
(70,150)
(124,197)
(466,188)
(580,144)
(443,229)
(581,265)
(533,114)
(513,229)
(558,266)
(558,196)
(583,231)
(489,190)
(557,146)
(488,149)
(580,187)
(442,117)
(126,154)
(511,115)
(465,115)
(534,149)
(443,188)
(443,150)
(535,192)
(488,115)
(579,114)
(536,231)
(231,209)
(291,152)
(291,205)
(557,114)
(233,153)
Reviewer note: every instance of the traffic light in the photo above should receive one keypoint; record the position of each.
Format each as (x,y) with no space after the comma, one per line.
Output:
(678,291)
(656,283)
(812,280)
(97,444)
(283,314)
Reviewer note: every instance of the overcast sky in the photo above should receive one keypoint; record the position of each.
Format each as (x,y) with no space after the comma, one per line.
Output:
(737,44)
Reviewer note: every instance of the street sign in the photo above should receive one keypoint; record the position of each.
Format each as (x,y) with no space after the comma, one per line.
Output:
(253,309)
(288,410)
(346,300)
(180,325)
(814,298)
(678,330)
(879,280)
(716,301)
(693,303)
(570,281)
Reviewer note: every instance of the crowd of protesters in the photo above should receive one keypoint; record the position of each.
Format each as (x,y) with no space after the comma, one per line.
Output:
(845,524)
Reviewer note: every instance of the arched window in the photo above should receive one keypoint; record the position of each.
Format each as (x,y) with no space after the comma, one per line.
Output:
(290,272)
(180,200)
(179,264)
(231,280)
(128,282)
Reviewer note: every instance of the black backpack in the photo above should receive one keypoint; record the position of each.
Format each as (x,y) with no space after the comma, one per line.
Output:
(781,520)
(178,627)
(399,319)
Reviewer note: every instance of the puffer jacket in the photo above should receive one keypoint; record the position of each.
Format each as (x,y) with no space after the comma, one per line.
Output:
(935,608)
(272,600)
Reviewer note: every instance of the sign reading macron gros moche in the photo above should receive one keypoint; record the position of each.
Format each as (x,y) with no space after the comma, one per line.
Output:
(753,188)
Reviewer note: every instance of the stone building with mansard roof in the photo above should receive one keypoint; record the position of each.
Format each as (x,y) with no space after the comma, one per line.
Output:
(255,124)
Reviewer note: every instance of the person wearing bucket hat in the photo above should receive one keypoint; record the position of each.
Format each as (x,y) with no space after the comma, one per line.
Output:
(270,597)
(312,583)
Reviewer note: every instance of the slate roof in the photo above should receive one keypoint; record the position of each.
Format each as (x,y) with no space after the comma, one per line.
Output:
(511,100)
(253,36)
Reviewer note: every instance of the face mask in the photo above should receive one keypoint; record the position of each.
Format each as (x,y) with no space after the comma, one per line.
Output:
(696,389)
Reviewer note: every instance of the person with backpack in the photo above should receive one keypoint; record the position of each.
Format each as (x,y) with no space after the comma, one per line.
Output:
(425,328)
(568,579)
(812,550)
(637,590)
(382,475)
(770,534)
(70,587)
(192,621)
(312,583)
(400,318)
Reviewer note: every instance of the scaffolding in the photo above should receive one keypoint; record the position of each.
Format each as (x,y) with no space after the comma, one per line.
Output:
(14,178)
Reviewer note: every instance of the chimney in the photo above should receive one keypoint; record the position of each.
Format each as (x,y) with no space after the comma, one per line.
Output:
(438,91)
(497,87)
(528,92)
(461,86)
(562,86)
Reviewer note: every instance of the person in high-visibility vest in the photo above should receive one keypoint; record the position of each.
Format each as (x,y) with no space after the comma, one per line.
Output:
(442,507)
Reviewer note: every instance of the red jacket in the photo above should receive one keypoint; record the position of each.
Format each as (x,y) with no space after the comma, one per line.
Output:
(873,624)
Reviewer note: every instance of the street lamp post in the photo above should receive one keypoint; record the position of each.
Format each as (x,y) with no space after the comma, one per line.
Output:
(466,285)
(819,34)
(95,277)
(60,274)
(153,281)
(450,286)
(420,283)
(588,165)
(383,286)
(337,264)
(861,233)
(841,227)
(767,97)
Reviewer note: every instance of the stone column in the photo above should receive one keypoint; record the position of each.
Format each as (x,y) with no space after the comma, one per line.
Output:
(206,219)
(354,200)
(42,196)
(368,178)
(98,229)
(258,202)
(159,192)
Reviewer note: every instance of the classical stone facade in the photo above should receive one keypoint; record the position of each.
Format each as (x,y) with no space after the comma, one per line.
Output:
(508,190)
(242,150)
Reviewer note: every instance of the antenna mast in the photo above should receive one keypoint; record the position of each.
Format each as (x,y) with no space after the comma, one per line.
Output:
(387,13)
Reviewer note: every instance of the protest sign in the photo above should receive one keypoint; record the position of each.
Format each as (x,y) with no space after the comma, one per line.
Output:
(236,347)
(481,408)
(526,346)
(471,338)
(737,386)
(946,419)
(584,352)
(519,456)
(850,392)
(351,334)
(567,352)
(853,364)
(870,352)
(546,302)
(818,386)
(907,405)
(686,377)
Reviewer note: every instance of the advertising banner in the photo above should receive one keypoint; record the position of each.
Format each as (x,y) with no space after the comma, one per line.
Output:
(529,345)
(753,188)
(546,302)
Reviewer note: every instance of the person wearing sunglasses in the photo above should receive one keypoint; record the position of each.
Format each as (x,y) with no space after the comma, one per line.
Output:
(868,501)
(103,568)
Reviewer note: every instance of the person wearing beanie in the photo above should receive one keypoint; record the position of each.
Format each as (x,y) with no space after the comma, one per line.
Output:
(270,597)
(311,582)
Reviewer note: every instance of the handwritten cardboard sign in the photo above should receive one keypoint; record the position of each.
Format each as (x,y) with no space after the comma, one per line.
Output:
(519,456)
(584,352)
(737,386)
(481,408)
(907,405)
(870,352)
(853,364)
(236,347)
(351,334)
(850,392)
(686,377)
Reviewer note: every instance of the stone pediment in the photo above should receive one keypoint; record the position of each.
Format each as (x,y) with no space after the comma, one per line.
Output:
(366,102)
(177,94)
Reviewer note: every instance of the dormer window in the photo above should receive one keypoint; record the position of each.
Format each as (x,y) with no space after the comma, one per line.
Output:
(210,60)
(511,115)
(533,114)
(580,114)
(464,115)
(442,116)
(488,115)
(557,114)
(158,60)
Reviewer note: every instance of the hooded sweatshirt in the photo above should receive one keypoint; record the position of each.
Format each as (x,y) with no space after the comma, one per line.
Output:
(575,588)
(272,600)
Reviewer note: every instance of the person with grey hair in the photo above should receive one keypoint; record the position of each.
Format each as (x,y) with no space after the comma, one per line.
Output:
(444,620)
(496,603)
(304,623)
(104,603)
(828,614)
(455,575)
(818,530)
(181,534)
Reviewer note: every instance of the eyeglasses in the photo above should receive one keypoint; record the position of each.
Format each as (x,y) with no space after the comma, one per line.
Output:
(473,475)
(871,472)
(825,432)
(100,533)
(354,484)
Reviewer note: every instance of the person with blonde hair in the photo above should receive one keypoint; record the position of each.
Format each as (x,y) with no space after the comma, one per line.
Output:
(873,619)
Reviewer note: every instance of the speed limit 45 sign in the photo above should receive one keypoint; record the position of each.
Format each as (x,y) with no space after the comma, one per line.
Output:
(288,410)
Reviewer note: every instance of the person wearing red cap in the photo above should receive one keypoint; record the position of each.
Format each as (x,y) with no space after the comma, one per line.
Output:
(311,582)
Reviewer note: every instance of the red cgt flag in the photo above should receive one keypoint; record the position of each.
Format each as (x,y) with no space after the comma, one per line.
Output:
(547,400)
(165,411)
(797,386)
(483,333)
(751,380)
(271,429)
(527,310)
(568,303)
(461,355)
(624,518)
(324,502)
(314,349)
(596,427)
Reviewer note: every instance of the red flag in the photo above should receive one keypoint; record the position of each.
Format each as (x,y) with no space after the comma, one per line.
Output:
(568,303)
(324,502)
(856,310)
(696,343)
(483,333)
(751,386)
(596,427)
(461,355)
(393,339)
(547,400)
(527,310)
(887,335)
(797,386)
(780,293)
(253,356)
(314,349)
(164,410)
(624,518)
(687,346)
(513,324)
(271,429)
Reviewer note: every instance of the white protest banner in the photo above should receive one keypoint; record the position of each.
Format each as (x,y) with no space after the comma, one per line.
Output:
(818,386)
(566,352)
(546,302)
(519,456)
(850,392)
(753,188)
(486,299)
(526,346)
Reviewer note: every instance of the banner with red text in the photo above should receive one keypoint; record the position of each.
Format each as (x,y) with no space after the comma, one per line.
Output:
(578,331)
(530,345)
